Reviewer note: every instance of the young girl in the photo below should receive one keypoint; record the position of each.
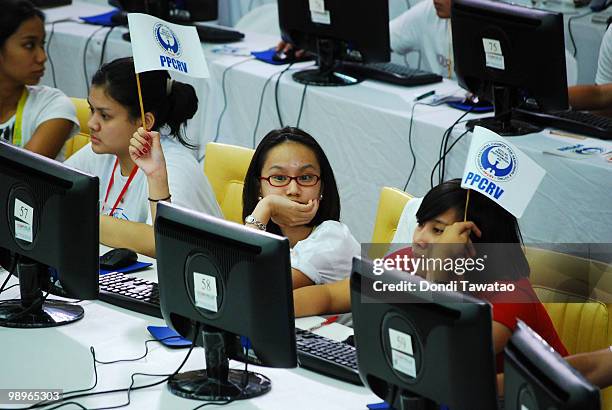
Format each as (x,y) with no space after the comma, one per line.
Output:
(441,233)
(38,118)
(290,190)
(115,118)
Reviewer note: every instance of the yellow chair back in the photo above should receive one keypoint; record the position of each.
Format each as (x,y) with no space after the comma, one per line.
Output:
(82,138)
(390,207)
(226,166)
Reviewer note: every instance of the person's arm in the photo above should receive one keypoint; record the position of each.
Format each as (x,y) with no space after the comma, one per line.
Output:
(591,97)
(321,299)
(119,233)
(595,366)
(284,211)
(299,279)
(49,137)
(501,335)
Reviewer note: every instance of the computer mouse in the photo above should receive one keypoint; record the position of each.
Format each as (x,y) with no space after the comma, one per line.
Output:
(284,56)
(118,258)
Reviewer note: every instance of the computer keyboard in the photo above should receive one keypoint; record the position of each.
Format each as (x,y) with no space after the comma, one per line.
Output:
(209,34)
(579,122)
(137,295)
(326,356)
(392,73)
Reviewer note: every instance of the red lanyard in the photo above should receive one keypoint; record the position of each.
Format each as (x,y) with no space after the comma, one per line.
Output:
(125,187)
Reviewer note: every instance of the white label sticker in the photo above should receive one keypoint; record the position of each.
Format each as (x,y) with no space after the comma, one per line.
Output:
(23,231)
(317,6)
(403,363)
(24,212)
(205,289)
(400,341)
(523,407)
(492,46)
(495,61)
(320,18)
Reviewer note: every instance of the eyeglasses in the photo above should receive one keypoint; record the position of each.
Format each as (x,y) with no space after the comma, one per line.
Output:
(284,180)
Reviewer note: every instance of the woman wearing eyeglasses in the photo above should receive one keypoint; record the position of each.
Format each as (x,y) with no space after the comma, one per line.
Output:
(290,190)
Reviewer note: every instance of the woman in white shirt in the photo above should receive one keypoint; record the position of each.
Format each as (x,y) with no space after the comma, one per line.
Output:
(38,118)
(290,190)
(115,116)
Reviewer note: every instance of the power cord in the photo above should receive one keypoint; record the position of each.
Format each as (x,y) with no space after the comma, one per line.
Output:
(280,118)
(410,145)
(571,34)
(48,44)
(104,45)
(261,100)
(301,106)
(146,343)
(85,56)
(443,152)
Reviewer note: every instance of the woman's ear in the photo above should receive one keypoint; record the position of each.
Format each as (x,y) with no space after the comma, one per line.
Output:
(149,121)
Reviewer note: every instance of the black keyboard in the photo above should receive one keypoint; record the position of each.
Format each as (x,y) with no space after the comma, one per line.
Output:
(137,295)
(392,73)
(579,122)
(326,356)
(209,34)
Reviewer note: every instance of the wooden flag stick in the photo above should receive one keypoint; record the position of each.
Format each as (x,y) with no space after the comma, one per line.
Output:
(142,114)
(467,202)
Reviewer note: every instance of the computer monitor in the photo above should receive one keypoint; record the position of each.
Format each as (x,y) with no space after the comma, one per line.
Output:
(335,30)
(234,284)
(511,55)
(536,377)
(49,222)
(421,349)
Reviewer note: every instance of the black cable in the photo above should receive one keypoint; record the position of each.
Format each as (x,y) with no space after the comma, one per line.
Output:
(35,305)
(216,138)
(146,343)
(446,138)
(410,145)
(569,29)
(49,54)
(444,154)
(297,125)
(261,99)
(214,403)
(104,45)
(85,56)
(280,118)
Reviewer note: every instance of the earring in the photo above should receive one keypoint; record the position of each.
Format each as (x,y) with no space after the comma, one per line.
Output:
(259,198)
(321,197)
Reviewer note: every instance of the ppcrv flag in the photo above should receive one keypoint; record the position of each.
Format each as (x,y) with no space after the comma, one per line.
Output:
(500,171)
(158,45)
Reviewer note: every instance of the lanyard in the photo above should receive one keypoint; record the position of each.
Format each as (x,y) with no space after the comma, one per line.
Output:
(123,191)
(19,117)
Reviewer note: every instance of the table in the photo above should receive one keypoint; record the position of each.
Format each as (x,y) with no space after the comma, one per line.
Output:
(60,358)
(364,129)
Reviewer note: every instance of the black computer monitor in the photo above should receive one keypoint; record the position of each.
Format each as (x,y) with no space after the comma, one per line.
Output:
(536,377)
(421,349)
(49,222)
(511,55)
(339,29)
(234,284)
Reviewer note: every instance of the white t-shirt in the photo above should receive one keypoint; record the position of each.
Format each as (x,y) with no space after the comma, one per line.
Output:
(188,184)
(420,29)
(408,222)
(43,104)
(327,254)
(604,64)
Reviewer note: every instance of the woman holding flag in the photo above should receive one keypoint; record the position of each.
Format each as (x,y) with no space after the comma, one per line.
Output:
(445,231)
(35,117)
(126,203)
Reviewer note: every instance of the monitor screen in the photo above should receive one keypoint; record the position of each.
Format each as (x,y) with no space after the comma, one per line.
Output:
(537,377)
(234,284)
(421,349)
(512,56)
(335,30)
(49,224)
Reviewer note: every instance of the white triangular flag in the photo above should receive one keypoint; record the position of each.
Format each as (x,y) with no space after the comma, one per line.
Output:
(500,171)
(158,45)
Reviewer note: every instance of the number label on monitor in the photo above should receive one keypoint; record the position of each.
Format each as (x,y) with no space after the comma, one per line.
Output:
(400,341)
(403,363)
(523,407)
(24,215)
(318,14)
(317,5)
(493,53)
(205,289)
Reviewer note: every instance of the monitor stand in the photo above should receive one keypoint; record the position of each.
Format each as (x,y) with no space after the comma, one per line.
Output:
(218,382)
(30,311)
(503,123)
(328,73)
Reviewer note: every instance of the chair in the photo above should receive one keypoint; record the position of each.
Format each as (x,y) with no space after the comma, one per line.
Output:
(226,166)
(390,207)
(82,138)
(576,293)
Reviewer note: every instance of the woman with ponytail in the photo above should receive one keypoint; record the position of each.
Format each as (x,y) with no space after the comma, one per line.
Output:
(127,182)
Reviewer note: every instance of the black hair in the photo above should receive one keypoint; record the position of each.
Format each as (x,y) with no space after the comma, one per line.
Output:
(329,208)
(14,13)
(171,108)
(498,226)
